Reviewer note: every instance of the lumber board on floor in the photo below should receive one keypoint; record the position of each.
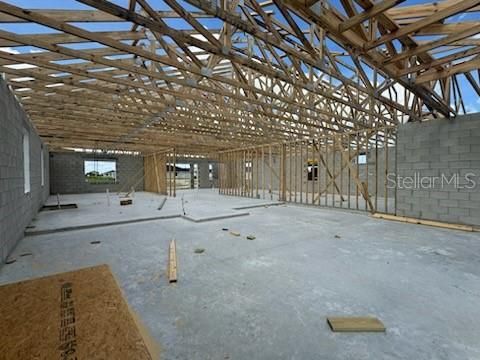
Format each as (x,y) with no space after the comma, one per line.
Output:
(162,202)
(355,324)
(74,315)
(426,222)
(172,262)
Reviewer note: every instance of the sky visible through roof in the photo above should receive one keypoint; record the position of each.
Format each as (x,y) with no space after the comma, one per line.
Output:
(470,97)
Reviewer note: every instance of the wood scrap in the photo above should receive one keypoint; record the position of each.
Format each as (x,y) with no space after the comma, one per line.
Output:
(162,202)
(172,262)
(124,202)
(411,220)
(355,324)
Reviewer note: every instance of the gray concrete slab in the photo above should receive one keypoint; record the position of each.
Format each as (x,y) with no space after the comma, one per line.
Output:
(215,218)
(100,209)
(352,202)
(269,298)
(33,232)
(96,208)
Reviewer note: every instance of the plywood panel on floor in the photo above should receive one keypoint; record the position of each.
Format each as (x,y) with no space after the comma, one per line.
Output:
(76,315)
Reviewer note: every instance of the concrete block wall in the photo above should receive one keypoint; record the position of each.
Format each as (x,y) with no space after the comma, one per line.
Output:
(17,208)
(67,173)
(440,149)
(203,175)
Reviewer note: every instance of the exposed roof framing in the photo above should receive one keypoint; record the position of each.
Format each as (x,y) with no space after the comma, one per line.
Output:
(235,73)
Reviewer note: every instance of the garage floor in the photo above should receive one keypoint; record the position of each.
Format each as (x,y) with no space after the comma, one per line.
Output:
(268,298)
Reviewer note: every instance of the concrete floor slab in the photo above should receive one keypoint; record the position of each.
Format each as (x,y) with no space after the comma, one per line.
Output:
(215,217)
(352,202)
(96,209)
(269,298)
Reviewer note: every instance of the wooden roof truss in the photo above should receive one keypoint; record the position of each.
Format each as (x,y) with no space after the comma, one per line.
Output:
(235,72)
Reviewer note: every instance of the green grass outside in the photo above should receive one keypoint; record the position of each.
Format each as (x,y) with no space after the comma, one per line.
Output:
(100,179)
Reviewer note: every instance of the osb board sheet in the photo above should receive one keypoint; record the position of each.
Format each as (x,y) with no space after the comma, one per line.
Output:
(155,173)
(354,324)
(74,315)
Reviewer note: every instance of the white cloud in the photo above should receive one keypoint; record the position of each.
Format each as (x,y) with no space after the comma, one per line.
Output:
(20,66)
(22,79)
(472,108)
(9,50)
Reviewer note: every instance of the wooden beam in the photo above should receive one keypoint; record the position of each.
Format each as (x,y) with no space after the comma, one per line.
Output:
(432,45)
(456,69)
(411,220)
(422,10)
(368,14)
(458,7)
(89,16)
(473,82)
(442,60)
(172,262)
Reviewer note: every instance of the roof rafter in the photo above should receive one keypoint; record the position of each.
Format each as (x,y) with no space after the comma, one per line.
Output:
(269,72)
